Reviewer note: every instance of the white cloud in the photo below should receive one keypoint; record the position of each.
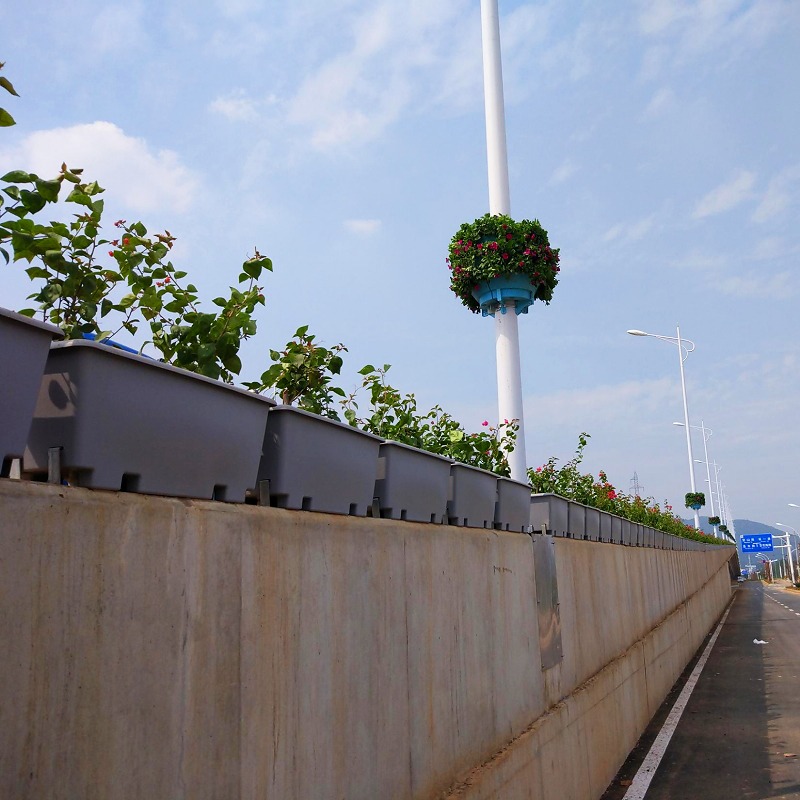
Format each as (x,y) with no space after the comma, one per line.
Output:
(117,28)
(591,407)
(661,102)
(726,196)
(137,177)
(692,29)
(778,286)
(628,233)
(234,106)
(778,195)
(564,171)
(362,227)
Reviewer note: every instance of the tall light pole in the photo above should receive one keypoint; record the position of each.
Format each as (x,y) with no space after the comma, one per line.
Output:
(685,346)
(509,376)
(790,529)
(706,436)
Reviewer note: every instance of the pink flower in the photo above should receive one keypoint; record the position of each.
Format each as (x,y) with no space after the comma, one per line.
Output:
(509,236)
(479,246)
(485,423)
(505,256)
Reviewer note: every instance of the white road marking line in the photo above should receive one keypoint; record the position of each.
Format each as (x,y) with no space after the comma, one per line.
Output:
(641,781)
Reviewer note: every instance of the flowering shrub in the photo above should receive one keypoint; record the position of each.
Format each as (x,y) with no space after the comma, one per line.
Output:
(495,246)
(395,416)
(99,286)
(568,482)
(713,520)
(302,374)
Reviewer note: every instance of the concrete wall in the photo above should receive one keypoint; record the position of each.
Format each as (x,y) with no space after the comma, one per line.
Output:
(161,648)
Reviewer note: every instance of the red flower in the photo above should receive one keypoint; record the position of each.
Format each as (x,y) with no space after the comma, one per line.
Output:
(505,256)
(611,494)
(126,240)
(485,423)
(111,253)
(480,247)
(509,236)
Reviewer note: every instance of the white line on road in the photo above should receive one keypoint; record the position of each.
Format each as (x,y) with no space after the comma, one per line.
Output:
(641,781)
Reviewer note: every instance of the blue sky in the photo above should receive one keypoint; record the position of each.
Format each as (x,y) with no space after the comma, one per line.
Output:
(656,141)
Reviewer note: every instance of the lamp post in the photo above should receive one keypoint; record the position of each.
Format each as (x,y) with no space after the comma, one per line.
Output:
(790,529)
(788,547)
(509,376)
(706,436)
(685,346)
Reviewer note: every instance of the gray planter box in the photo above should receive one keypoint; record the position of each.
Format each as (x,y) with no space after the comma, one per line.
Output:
(637,535)
(132,423)
(616,529)
(412,484)
(628,533)
(605,526)
(24,345)
(551,511)
(658,539)
(576,520)
(317,464)
(513,509)
(473,494)
(592,524)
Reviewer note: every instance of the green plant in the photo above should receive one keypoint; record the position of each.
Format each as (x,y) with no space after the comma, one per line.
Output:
(206,342)
(6,120)
(393,415)
(713,520)
(569,482)
(495,246)
(693,499)
(302,374)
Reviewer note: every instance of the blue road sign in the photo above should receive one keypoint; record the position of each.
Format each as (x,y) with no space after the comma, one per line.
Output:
(757,543)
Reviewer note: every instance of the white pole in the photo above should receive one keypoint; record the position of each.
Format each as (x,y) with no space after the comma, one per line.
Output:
(708,471)
(497,156)
(509,375)
(688,431)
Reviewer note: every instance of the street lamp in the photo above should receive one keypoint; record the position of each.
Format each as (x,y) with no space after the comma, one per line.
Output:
(706,436)
(685,346)
(789,549)
(790,529)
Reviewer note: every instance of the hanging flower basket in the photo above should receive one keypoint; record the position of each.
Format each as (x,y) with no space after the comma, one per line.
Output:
(713,520)
(695,500)
(495,259)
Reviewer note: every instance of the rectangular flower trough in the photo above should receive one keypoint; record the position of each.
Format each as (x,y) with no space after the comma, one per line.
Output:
(473,494)
(24,345)
(576,521)
(126,422)
(605,526)
(551,511)
(592,524)
(317,464)
(412,484)
(513,505)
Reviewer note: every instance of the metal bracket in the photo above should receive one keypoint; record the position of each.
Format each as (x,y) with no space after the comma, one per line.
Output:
(54,464)
(263,493)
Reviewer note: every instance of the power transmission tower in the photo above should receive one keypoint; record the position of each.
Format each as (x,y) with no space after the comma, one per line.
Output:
(636,487)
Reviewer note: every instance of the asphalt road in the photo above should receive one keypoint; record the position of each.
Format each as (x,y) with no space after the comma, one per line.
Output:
(739,736)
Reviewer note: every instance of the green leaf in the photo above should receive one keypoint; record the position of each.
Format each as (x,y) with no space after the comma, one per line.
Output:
(6,84)
(365,370)
(6,120)
(37,272)
(77,195)
(17,176)
(48,189)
